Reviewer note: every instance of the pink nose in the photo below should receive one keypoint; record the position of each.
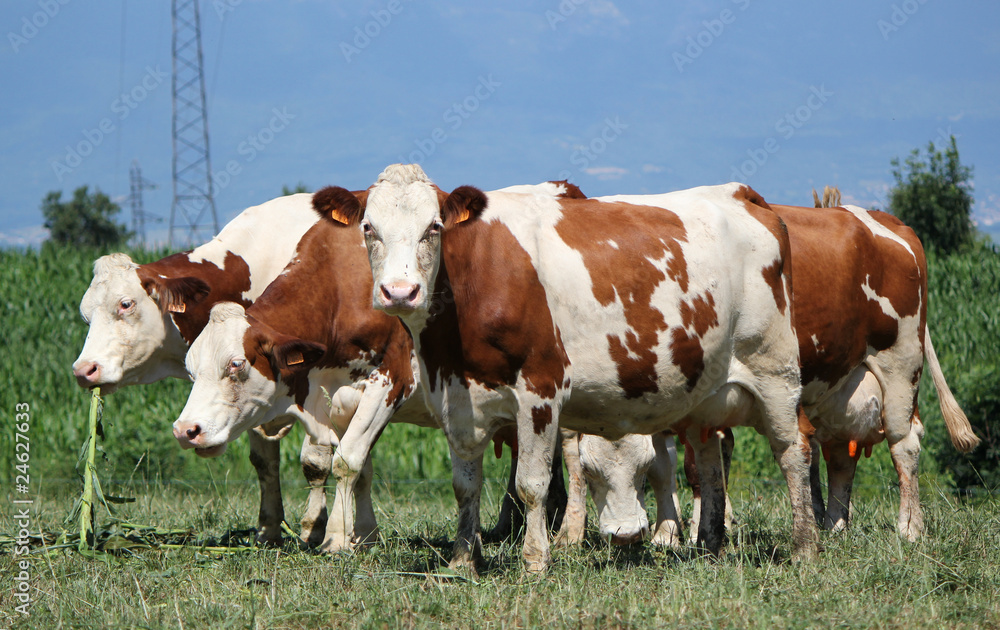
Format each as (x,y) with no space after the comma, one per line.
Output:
(187,434)
(88,374)
(400,293)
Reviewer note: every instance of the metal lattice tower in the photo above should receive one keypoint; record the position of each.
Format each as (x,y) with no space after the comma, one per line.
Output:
(192,216)
(136,184)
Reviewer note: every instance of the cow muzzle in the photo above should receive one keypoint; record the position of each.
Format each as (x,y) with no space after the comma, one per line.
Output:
(191,435)
(399,298)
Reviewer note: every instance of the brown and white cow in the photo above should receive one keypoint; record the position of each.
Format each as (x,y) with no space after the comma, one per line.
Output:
(654,317)
(859,296)
(142,319)
(310,335)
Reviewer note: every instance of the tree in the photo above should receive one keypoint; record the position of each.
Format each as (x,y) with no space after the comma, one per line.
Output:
(933,197)
(299,188)
(84,221)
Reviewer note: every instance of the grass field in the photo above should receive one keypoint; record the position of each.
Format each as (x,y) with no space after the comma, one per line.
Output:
(867,577)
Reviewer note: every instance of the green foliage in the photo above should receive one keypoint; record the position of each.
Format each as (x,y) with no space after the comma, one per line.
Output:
(964,320)
(933,197)
(84,221)
(299,188)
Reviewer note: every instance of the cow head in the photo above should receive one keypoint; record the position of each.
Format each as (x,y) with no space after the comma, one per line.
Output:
(236,364)
(403,216)
(616,474)
(128,311)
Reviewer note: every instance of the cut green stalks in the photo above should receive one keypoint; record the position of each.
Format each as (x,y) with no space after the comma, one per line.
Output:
(87,500)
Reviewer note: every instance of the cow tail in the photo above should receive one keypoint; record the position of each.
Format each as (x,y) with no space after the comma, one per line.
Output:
(958,425)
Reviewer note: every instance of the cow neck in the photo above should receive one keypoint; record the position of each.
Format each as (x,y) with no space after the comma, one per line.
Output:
(324,296)
(489,321)
(226,284)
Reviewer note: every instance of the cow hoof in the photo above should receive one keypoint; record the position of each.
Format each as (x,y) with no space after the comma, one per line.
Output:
(536,566)
(464,565)
(269,537)
(367,539)
(666,537)
(335,545)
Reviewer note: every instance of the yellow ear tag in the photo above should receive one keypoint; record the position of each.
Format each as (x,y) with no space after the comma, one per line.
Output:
(295,358)
(338,217)
(177,308)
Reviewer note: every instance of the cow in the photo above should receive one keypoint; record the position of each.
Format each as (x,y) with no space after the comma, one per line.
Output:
(602,316)
(142,319)
(311,347)
(859,296)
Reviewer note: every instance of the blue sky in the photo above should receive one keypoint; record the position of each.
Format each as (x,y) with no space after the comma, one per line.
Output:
(620,97)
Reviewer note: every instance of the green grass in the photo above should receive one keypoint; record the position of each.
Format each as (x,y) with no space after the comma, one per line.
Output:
(866,577)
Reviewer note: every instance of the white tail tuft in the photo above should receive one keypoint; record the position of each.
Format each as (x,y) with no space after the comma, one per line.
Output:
(958,425)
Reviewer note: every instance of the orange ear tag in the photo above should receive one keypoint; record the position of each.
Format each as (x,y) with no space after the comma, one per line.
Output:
(177,308)
(295,358)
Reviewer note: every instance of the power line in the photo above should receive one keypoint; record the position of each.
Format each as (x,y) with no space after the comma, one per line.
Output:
(193,218)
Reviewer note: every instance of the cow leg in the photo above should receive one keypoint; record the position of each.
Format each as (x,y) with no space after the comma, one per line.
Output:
(316,460)
(815,488)
(264,455)
(728,445)
(467,481)
(575,519)
(662,475)
(840,472)
(691,475)
(511,518)
(555,503)
(708,456)
(792,452)
(369,419)
(537,446)
(905,453)
(365,525)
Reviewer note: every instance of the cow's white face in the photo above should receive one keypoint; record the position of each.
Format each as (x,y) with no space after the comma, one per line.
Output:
(403,221)
(127,328)
(229,395)
(616,474)
(402,228)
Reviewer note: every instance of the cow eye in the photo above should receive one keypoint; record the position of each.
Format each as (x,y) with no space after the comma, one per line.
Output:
(367,228)
(236,365)
(125,305)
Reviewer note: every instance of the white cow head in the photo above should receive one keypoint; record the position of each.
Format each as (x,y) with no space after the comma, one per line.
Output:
(236,364)
(616,475)
(131,338)
(404,214)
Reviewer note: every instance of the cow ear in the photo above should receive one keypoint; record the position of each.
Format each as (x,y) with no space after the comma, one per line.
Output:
(464,203)
(297,354)
(339,205)
(570,191)
(175,295)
